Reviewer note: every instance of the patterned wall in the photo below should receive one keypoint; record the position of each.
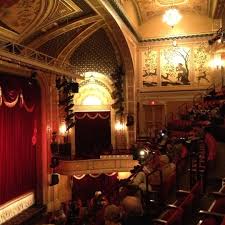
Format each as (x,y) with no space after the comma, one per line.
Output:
(54,46)
(176,66)
(95,54)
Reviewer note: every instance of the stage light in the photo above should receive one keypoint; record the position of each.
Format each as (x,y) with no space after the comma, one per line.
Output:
(74,87)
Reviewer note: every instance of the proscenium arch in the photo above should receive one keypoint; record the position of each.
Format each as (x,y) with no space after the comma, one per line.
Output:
(95,84)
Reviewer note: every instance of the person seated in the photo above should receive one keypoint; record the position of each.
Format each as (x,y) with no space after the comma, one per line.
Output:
(133,213)
(211,146)
(158,162)
(112,215)
(60,217)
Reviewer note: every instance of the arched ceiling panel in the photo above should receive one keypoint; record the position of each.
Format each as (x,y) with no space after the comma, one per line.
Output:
(54,46)
(95,54)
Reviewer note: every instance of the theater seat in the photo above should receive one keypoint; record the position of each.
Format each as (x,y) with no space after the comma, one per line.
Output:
(172,216)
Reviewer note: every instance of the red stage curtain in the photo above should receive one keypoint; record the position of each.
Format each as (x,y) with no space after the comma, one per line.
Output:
(18,130)
(93,134)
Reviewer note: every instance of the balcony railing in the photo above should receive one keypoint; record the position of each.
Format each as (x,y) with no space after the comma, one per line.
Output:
(106,164)
(18,54)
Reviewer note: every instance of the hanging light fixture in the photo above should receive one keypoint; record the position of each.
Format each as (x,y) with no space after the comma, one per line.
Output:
(172,17)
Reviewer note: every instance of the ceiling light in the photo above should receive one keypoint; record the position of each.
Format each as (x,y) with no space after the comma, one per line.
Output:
(172,17)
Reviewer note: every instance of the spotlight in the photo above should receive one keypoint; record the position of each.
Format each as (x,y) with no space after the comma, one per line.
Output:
(142,154)
(74,87)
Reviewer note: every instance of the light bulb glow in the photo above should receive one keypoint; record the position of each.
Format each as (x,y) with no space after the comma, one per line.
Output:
(172,17)
(62,129)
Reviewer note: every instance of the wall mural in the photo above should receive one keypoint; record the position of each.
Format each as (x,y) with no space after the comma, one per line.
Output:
(176,66)
(201,68)
(149,70)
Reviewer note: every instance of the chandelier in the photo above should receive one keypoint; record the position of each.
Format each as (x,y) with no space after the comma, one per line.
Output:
(172,17)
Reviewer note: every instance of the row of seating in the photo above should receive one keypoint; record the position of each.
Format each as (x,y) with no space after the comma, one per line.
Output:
(215,215)
(177,212)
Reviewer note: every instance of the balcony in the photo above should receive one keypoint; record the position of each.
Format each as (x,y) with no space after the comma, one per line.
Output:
(106,164)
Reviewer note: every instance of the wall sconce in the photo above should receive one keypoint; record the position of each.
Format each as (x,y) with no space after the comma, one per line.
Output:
(62,129)
(119,126)
(217,62)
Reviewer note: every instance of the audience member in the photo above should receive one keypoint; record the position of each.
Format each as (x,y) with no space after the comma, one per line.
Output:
(112,215)
(133,213)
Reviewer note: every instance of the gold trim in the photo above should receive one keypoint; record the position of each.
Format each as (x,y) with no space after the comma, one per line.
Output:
(52,34)
(8,34)
(43,13)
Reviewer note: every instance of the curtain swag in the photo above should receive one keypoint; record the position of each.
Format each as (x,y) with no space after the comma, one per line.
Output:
(79,177)
(91,115)
(14,101)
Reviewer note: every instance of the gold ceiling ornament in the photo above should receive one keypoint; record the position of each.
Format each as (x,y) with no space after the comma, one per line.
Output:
(172,16)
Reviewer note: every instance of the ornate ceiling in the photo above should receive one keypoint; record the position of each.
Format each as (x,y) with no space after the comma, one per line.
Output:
(150,8)
(58,27)
(147,9)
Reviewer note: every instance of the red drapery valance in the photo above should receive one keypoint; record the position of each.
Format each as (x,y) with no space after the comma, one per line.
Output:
(11,97)
(92,115)
(19,124)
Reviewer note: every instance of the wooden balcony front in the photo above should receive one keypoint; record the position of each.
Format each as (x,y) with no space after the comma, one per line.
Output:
(106,164)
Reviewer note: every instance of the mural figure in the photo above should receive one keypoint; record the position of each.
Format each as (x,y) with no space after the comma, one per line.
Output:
(147,73)
(175,66)
(182,74)
(203,77)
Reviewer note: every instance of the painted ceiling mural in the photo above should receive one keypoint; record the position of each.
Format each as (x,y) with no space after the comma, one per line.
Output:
(176,66)
(31,18)
(150,8)
(18,15)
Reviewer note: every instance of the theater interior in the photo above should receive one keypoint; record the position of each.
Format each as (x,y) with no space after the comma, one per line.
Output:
(101,100)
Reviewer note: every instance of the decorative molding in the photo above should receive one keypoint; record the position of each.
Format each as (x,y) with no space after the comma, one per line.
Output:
(16,206)
(55,33)
(119,11)
(220,9)
(62,9)
(178,37)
